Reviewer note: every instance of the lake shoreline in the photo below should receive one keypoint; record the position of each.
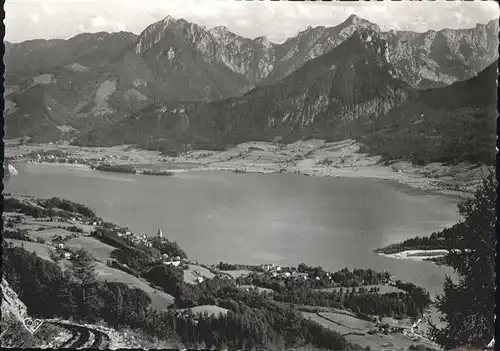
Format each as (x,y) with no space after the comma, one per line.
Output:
(310,158)
(416,255)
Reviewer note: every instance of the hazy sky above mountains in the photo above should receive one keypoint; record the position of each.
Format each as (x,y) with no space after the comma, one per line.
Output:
(37,19)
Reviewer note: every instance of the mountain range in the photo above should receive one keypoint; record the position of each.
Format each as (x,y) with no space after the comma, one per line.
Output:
(348,92)
(180,84)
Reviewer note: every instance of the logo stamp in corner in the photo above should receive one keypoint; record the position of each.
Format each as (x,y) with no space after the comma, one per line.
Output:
(32,325)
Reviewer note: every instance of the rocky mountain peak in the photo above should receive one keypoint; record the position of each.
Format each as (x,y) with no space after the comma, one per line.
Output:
(219,31)
(353,19)
(307,32)
(264,42)
(168,19)
(354,23)
(167,27)
(367,35)
(369,38)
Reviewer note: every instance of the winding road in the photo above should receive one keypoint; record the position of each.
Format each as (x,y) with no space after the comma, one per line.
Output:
(80,336)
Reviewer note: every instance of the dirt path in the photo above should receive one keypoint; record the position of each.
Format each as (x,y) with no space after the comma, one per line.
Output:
(82,335)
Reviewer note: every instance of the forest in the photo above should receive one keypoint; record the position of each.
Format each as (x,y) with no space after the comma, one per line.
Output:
(446,239)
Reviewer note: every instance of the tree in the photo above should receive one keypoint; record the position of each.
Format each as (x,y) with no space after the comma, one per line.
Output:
(302,268)
(82,270)
(65,295)
(54,255)
(468,306)
(82,267)
(166,277)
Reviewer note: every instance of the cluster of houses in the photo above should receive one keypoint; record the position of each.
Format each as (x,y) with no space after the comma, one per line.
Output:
(279,272)
(136,239)
(51,158)
(64,157)
(174,261)
(389,282)
(275,271)
(285,272)
(58,242)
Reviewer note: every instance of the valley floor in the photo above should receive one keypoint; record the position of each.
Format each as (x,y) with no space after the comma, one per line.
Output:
(311,157)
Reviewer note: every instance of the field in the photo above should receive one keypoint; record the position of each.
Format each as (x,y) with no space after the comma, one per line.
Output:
(99,250)
(159,299)
(193,272)
(46,234)
(261,290)
(391,342)
(348,321)
(41,250)
(384,289)
(339,328)
(31,223)
(356,331)
(210,309)
(237,273)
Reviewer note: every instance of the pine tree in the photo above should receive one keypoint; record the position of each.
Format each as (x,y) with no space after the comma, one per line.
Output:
(66,297)
(82,270)
(468,306)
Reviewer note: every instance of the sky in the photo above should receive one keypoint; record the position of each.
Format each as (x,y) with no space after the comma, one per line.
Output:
(278,20)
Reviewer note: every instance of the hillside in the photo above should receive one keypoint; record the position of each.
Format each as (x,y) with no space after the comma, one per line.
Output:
(86,49)
(73,97)
(58,88)
(479,91)
(452,124)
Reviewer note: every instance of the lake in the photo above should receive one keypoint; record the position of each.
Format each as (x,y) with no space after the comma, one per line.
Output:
(253,218)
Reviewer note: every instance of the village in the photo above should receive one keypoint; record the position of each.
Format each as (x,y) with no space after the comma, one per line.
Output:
(271,270)
(63,157)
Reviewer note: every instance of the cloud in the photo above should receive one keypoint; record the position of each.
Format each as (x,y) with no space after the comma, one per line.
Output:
(48,10)
(99,23)
(35,17)
(277,20)
(243,23)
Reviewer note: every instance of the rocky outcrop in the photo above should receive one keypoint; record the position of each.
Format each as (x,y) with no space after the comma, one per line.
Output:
(436,58)
(11,304)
